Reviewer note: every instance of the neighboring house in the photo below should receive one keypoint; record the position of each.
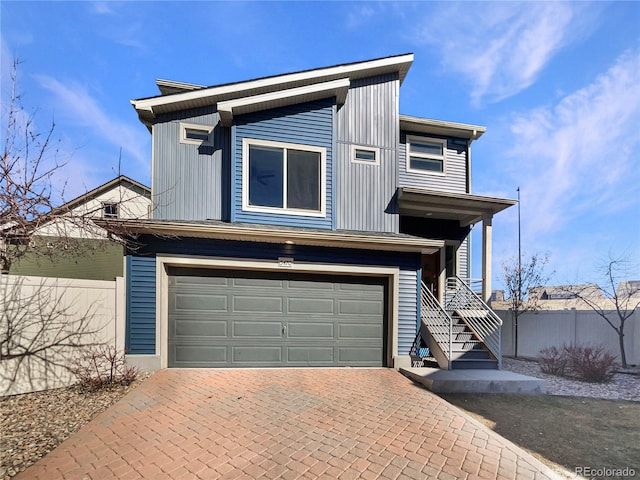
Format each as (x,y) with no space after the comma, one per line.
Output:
(297,218)
(80,248)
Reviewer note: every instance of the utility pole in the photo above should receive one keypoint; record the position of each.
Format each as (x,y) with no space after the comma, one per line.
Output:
(519,293)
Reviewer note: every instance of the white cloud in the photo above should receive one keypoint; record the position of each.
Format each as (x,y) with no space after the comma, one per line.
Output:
(500,47)
(78,105)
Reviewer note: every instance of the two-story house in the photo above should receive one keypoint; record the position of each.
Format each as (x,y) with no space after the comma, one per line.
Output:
(301,220)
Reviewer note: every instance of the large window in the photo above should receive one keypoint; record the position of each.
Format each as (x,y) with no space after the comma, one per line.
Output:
(283,178)
(426,155)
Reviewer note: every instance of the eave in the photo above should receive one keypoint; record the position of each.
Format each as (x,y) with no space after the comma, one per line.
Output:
(467,209)
(440,127)
(281,235)
(149,108)
(282,98)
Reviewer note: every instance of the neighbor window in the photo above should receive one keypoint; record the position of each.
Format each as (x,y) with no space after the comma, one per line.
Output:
(426,154)
(283,177)
(370,155)
(196,134)
(110,210)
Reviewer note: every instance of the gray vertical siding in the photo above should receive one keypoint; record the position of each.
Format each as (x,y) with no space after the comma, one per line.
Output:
(463,259)
(364,193)
(187,181)
(455,178)
(305,124)
(407,310)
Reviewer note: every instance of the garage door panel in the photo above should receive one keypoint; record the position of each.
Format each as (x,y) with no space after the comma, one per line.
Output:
(310,305)
(210,303)
(257,304)
(208,328)
(305,285)
(356,331)
(310,355)
(354,355)
(259,283)
(249,319)
(257,329)
(256,355)
(360,307)
(310,330)
(190,355)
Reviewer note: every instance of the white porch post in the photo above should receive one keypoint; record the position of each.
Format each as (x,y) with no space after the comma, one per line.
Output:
(486,257)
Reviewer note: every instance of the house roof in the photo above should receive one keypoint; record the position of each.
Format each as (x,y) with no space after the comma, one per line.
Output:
(276,234)
(466,208)
(121,180)
(181,96)
(441,127)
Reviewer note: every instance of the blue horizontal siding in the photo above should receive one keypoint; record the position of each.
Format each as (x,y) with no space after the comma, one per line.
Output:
(305,124)
(141,305)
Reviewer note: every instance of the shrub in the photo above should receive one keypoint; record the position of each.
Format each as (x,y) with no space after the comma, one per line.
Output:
(590,363)
(553,360)
(101,367)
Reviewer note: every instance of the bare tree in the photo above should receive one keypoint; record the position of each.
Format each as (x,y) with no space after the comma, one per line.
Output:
(520,277)
(39,325)
(615,299)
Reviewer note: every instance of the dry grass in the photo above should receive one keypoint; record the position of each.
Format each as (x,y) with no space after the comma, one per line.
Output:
(562,431)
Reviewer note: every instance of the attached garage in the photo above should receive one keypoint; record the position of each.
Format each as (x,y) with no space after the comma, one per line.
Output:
(242,318)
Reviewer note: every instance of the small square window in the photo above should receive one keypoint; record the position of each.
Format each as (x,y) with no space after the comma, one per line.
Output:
(195,134)
(426,155)
(368,155)
(110,210)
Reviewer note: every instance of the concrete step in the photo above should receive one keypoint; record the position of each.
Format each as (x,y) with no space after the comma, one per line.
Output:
(474,381)
(474,364)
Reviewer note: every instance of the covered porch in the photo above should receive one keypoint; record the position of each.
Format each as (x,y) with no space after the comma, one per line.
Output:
(457,327)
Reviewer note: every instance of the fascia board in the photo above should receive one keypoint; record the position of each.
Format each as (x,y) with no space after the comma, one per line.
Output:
(441,127)
(230,232)
(237,89)
(227,109)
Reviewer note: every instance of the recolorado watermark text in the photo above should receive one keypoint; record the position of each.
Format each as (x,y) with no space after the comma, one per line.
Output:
(590,472)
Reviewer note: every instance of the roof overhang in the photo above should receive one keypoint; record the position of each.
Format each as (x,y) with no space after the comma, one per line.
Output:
(194,97)
(465,208)
(440,127)
(239,106)
(283,235)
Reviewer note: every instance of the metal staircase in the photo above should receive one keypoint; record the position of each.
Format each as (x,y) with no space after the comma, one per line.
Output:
(464,334)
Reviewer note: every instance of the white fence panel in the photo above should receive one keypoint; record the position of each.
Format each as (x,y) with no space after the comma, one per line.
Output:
(38,311)
(548,328)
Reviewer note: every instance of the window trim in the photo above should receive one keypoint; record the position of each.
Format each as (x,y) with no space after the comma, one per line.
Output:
(247,142)
(194,126)
(110,204)
(426,156)
(375,150)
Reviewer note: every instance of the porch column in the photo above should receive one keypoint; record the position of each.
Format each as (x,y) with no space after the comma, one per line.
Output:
(486,257)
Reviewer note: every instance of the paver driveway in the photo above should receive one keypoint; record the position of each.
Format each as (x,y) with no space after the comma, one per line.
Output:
(288,423)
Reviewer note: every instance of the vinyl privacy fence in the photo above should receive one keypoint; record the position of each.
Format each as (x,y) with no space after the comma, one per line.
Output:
(45,323)
(558,327)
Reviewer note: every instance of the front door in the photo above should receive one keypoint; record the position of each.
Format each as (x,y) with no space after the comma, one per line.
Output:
(431,272)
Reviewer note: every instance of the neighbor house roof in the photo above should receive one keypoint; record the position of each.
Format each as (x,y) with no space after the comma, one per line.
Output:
(121,180)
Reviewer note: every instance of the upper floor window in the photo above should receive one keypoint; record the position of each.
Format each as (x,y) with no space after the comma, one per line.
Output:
(195,134)
(110,210)
(283,178)
(426,155)
(368,155)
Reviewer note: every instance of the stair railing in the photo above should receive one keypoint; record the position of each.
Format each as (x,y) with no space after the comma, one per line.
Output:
(438,320)
(479,316)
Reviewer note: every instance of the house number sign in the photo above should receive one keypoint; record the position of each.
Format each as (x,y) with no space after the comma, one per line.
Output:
(285,262)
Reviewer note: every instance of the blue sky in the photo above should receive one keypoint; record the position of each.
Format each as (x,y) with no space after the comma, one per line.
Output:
(556,84)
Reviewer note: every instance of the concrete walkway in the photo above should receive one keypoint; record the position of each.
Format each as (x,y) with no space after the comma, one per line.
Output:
(287,423)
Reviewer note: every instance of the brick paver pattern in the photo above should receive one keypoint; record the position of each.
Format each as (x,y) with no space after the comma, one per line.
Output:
(284,423)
